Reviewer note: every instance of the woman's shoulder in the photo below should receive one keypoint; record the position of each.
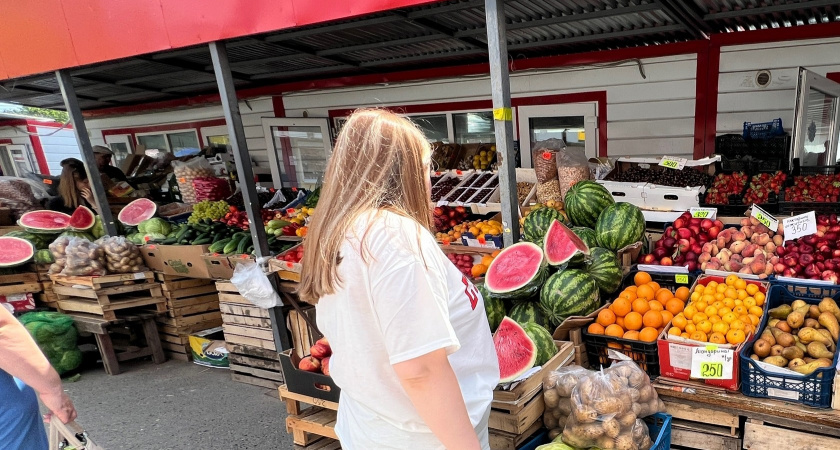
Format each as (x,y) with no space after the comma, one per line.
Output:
(383,228)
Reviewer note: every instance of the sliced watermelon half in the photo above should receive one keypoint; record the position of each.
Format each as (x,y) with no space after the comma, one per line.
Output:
(516,352)
(137,211)
(517,272)
(82,219)
(44,221)
(563,246)
(16,251)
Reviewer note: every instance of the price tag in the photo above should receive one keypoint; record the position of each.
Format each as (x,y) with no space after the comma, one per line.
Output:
(48,181)
(290,211)
(294,189)
(704,213)
(801,225)
(712,363)
(681,278)
(765,218)
(546,156)
(459,173)
(139,276)
(672,162)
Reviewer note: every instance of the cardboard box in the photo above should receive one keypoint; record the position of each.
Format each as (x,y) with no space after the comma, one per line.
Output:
(208,348)
(152,256)
(18,302)
(218,266)
(184,260)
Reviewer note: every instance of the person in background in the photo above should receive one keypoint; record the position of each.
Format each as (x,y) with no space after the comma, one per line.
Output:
(103,162)
(385,290)
(24,370)
(73,189)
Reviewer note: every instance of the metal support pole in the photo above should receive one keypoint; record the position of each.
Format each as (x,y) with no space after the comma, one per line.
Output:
(236,133)
(503,117)
(71,102)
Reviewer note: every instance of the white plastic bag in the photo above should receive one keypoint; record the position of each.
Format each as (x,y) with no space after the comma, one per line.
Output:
(252,283)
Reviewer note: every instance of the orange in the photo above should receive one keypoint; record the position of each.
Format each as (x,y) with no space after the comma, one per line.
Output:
(641,306)
(735,336)
(715,319)
(486,260)
(730,303)
(674,331)
(710,311)
(685,335)
(666,317)
(632,334)
(690,328)
(496,253)
(752,289)
(606,318)
(655,306)
(695,296)
(614,330)
(645,292)
(748,329)
(654,285)
(720,327)
(731,279)
(712,285)
(615,345)
(699,317)
(689,311)
(718,304)
(730,293)
(675,306)
(742,294)
(663,296)
(721,288)
(631,288)
(629,295)
(699,288)
(680,322)
(633,321)
(621,306)
(728,318)
(478,270)
(641,278)
(620,322)
(739,303)
(705,326)
(719,297)
(756,311)
(699,336)
(717,338)
(737,324)
(749,302)
(648,334)
(652,319)
(701,305)
(682,293)
(708,298)
(740,310)
(595,328)
(759,298)
(740,283)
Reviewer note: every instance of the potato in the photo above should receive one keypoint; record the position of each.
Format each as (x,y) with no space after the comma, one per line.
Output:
(605,442)
(550,421)
(585,414)
(612,428)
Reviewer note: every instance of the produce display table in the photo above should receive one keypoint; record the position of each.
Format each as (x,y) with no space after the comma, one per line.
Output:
(102,328)
(313,427)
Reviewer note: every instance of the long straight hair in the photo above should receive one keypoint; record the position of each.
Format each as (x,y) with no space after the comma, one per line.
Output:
(72,169)
(380,162)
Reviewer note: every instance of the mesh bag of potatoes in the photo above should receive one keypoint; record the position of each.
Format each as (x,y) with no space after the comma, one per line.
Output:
(121,256)
(607,408)
(84,258)
(557,393)
(58,248)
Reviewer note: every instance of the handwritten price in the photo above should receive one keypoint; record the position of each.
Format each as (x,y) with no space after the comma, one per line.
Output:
(711,369)
(701,214)
(763,219)
(797,227)
(671,164)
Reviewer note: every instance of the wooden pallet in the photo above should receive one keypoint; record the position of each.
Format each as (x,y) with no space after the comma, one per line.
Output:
(702,428)
(105,281)
(500,440)
(192,305)
(309,425)
(107,294)
(19,283)
(321,444)
(302,336)
(764,435)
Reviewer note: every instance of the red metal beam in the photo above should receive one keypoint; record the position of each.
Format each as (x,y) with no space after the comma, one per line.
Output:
(43,167)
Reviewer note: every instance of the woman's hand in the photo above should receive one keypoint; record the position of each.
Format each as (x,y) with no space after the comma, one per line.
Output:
(87,194)
(60,404)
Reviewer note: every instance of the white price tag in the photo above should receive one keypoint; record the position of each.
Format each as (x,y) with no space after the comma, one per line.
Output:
(704,213)
(765,218)
(477,243)
(672,162)
(801,225)
(712,363)
(139,276)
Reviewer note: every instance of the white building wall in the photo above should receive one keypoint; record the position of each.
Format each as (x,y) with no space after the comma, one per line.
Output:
(58,144)
(17,134)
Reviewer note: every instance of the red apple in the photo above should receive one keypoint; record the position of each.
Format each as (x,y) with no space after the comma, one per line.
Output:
(705,224)
(310,364)
(325,366)
(319,351)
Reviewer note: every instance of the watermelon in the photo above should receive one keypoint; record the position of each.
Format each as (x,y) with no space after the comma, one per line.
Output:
(517,272)
(537,222)
(620,225)
(604,268)
(39,240)
(546,348)
(563,246)
(78,234)
(527,312)
(44,257)
(16,251)
(516,351)
(82,219)
(570,292)
(584,202)
(44,221)
(98,228)
(587,235)
(137,211)
(494,307)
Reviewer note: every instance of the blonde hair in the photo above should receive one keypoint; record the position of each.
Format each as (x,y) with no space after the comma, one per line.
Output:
(67,182)
(380,162)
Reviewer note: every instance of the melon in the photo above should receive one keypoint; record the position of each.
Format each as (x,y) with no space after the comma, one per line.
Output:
(494,308)
(517,272)
(536,224)
(603,266)
(98,228)
(16,251)
(44,221)
(567,293)
(39,240)
(588,235)
(620,225)
(542,339)
(82,219)
(78,234)
(563,246)
(516,352)
(44,257)
(527,311)
(585,201)
(137,211)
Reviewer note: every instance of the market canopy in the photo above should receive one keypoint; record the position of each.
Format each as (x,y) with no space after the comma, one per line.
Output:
(378,40)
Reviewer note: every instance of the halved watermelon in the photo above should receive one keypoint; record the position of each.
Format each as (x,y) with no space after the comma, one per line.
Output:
(82,219)
(517,272)
(137,211)
(44,221)
(563,246)
(516,352)
(16,251)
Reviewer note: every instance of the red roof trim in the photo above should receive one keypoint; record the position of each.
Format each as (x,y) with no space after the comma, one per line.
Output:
(816,31)
(165,127)
(39,123)
(38,149)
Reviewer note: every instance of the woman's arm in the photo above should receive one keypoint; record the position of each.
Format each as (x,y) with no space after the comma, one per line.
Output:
(21,358)
(433,389)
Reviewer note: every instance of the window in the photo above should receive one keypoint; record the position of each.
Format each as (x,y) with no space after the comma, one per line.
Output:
(435,127)
(170,142)
(465,127)
(474,127)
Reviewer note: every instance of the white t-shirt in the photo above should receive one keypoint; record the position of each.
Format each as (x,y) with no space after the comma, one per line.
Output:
(392,306)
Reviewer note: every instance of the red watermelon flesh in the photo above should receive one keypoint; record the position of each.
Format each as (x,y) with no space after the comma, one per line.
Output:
(82,219)
(16,251)
(137,211)
(562,244)
(515,267)
(44,221)
(516,352)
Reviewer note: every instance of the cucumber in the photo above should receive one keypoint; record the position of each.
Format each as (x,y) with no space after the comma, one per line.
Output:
(249,250)
(243,244)
(231,245)
(205,235)
(202,241)
(169,241)
(218,245)
(182,232)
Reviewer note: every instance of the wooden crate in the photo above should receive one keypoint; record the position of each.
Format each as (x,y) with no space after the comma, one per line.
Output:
(760,435)
(19,283)
(309,425)
(695,427)
(302,336)
(192,305)
(107,294)
(500,440)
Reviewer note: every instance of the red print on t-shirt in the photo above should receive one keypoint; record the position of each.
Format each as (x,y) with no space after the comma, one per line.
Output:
(471,291)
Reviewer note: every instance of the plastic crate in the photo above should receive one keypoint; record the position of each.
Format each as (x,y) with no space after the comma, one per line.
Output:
(732,146)
(763,130)
(666,280)
(812,390)
(736,206)
(776,147)
(659,429)
(794,208)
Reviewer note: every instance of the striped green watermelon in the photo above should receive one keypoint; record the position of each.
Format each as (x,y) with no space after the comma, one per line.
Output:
(546,348)
(78,234)
(620,225)
(604,268)
(537,222)
(527,312)
(584,202)
(587,235)
(561,245)
(570,292)
(494,307)
(518,272)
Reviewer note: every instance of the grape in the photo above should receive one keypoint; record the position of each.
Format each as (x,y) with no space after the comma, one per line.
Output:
(208,210)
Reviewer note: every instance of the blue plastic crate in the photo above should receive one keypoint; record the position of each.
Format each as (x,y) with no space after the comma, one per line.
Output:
(763,130)
(659,428)
(812,390)
(540,438)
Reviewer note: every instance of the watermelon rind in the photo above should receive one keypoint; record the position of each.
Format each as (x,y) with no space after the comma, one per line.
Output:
(137,211)
(39,240)
(515,350)
(16,251)
(494,307)
(78,234)
(527,311)
(44,257)
(561,245)
(570,292)
(517,272)
(546,348)
(82,219)
(536,224)
(603,266)
(585,201)
(587,235)
(620,225)
(44,221)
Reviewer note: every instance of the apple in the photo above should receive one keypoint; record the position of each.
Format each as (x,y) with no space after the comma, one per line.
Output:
(310,364)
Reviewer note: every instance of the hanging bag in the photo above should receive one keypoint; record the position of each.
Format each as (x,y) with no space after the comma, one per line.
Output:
(69,436)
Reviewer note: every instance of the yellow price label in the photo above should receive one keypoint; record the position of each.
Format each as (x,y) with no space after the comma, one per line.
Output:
(670,163)
(681,278)
(701,214)
(711,369)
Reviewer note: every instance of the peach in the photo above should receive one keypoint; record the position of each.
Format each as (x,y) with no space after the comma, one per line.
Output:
(310,364)
(745,222)
(778,240)
(737,246)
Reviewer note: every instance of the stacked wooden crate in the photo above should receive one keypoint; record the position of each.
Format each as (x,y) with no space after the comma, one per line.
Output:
(17,290)
(107,294)
(312,427)
(46,297)
(192,305)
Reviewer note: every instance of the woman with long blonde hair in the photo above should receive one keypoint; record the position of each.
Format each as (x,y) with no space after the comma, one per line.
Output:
(73,188)
(412,349)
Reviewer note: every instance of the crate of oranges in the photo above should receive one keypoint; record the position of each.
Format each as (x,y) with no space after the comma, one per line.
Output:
(632,322)
(721,312)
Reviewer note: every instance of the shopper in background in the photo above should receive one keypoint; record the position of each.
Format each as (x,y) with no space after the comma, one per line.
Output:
(73,188)
(24,370)
(103,162)
(412,349)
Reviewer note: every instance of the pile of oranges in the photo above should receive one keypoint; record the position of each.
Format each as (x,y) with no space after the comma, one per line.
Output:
(641,311)
(479,269)
(721,313)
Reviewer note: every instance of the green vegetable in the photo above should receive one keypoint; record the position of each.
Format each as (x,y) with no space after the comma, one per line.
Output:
(232,245)
(155,225)
(218,245)
(243,244)
(56,335)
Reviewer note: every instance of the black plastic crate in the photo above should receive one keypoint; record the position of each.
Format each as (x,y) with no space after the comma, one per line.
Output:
(776,147)
(793,208)
(313,384)
(763,130)
(732,146)
(735,207)
(812,390)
